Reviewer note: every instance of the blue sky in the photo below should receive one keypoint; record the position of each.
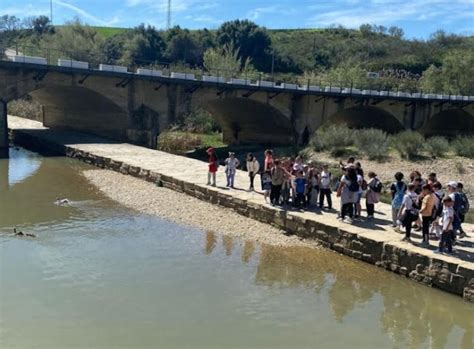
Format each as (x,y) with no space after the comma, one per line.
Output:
(418,18)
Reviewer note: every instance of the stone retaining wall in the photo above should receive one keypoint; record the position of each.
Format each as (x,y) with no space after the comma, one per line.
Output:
(450,277)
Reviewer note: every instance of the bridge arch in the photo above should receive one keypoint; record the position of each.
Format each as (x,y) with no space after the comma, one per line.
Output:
(82,109)
(244,120)
(366,117)
(449,123)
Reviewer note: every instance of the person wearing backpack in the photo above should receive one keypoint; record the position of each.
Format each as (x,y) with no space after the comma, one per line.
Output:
(362,186)
(325,187)
(463,210)
(437,191)
(426,212)
(374,187)
(457,203)
(397,189)
(347,191)
(408,211)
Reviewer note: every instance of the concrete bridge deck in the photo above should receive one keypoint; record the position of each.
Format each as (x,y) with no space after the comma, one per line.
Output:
(373,242)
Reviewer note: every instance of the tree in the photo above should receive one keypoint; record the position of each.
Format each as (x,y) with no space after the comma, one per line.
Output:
(251,40)
(226,62)
(9,23)
(42,25)
(143,45)
(454,76)
(182,47)
(396,32)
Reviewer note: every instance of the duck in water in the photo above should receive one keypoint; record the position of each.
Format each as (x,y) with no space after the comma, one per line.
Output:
(20,233)
(61,202)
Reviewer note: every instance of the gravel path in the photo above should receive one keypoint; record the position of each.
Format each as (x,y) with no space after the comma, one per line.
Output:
(147,198)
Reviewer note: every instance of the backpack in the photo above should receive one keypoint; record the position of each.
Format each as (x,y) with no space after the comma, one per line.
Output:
(377,186)
(354,186)
(457,206)
(363,185)
(464,203)
(399,194)
(439,210)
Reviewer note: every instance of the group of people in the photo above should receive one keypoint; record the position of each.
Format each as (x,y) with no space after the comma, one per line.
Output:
(419,204)
(424,205)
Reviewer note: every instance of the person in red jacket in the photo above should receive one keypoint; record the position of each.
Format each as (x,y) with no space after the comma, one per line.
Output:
(213,165)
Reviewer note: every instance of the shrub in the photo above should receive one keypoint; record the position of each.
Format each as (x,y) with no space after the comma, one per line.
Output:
(409,144)
(178,142)
(437,146)
(334,138)
(372,142)
(199,121)
(464,146)
(25,108)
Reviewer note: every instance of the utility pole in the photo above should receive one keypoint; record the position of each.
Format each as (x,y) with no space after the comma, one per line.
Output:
(51,11)
(168,22)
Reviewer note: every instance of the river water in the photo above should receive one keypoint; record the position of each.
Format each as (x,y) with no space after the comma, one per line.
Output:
(102,276)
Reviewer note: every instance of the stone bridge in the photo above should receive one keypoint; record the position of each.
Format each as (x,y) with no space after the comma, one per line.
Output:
(134,108)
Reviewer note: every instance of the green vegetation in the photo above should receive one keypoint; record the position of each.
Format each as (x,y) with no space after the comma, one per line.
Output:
(444,63)
(180,142)
(437,146)
(464,146)
(340,140)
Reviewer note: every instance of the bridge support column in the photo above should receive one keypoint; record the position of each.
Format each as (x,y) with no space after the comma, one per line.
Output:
(3,130)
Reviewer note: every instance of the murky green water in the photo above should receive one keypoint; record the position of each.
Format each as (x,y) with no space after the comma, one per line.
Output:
(101,276)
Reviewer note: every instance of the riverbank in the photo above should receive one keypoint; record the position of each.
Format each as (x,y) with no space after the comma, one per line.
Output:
(373,242)
(148,198)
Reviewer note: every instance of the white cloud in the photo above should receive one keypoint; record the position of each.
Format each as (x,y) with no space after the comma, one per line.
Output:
(84,13)
(390,12)
(25,11)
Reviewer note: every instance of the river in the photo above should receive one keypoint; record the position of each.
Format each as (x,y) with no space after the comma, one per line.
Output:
(102,276)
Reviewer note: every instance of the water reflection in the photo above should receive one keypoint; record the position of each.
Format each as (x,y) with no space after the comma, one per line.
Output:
(409,313)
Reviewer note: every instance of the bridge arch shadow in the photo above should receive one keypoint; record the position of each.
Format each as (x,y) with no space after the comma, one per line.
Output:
(366,117)
(81,109)
(246,121)
(449,123)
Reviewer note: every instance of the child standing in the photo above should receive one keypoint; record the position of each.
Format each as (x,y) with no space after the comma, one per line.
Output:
(325,188)
(253,167)
(300,189)
(447,226)
(426,211)
(266,185)
(408,211)
(213,165)
(398,189)
(231,164)
(374,187)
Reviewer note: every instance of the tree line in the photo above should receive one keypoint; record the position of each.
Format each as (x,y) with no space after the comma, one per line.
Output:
(444,63)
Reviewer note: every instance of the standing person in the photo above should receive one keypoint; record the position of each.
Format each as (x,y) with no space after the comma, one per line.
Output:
(312,186)
(268,162)
(408,211)
(253,166)
(278,176)
(231,165)
(437,191)
(325,187)
(287,183)
(426,211)
(464,209)
(266,185)
(457,203)
(213,163)
(447,226)
(347,190)
(300,189)
(362,186)
(374,187)
(432,179)
(298,165)
(397,189)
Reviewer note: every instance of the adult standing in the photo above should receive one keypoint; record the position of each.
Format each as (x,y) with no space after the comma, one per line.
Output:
(426,211)
(253,166)
(278,176)
(268,163)
(231,165)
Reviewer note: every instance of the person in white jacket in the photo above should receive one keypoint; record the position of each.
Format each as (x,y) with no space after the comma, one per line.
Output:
(253,167)
(231,165)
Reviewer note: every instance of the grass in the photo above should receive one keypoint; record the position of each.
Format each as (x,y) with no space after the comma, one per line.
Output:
(107,32)
(180,142)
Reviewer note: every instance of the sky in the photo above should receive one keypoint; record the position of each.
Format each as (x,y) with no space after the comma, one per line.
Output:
(418,18)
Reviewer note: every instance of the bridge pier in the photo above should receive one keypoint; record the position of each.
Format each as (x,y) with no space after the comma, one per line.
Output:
(3,130)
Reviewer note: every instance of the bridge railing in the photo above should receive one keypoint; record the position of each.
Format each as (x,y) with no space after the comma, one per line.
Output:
(386,86)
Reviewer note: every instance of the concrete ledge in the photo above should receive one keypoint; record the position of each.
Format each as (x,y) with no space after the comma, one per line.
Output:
(446,273)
